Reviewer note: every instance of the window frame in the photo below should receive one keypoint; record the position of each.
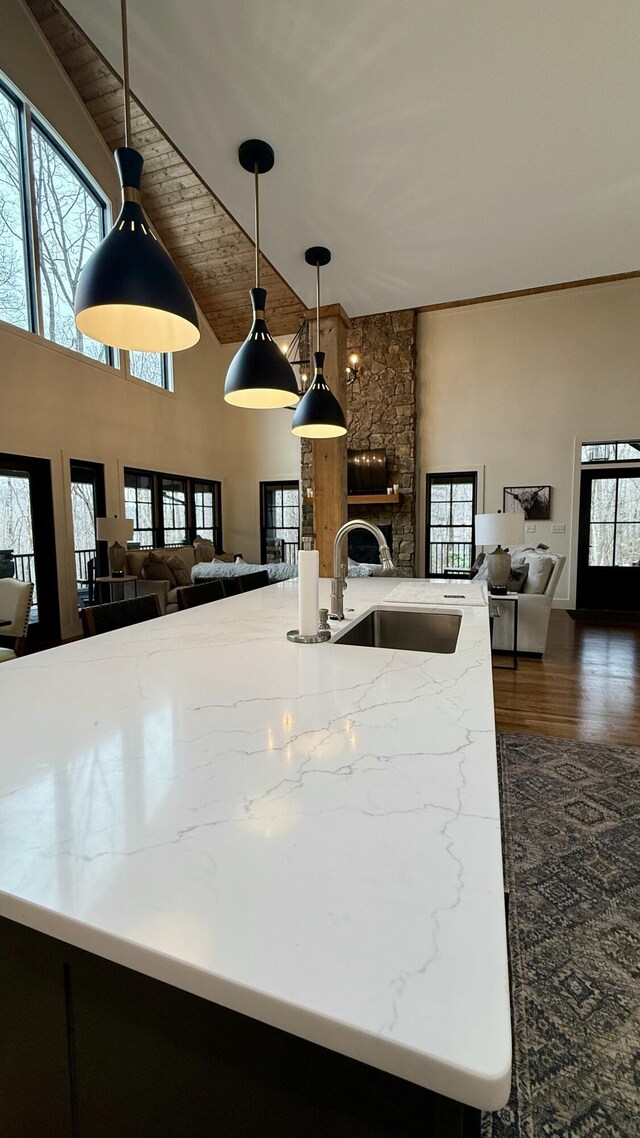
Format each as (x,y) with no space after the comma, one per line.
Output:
(28,116)
(279,484)
(609,461)
(449,476)
(157,478)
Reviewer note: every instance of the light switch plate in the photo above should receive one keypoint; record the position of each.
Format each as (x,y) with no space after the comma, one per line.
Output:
(559,528)
(530,527)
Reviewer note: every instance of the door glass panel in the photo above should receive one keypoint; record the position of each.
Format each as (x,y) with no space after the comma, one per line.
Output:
(601,540)
(628,500)
(83,511)
(627,544)
(138,505)
(16,528)
(174,511)
(603,500)
(14,291)
(280,525)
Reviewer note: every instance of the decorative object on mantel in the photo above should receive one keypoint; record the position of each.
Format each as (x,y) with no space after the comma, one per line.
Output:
(117,532)
(533,501)
(259,376)
(130,294)
(318,414)
(499,528)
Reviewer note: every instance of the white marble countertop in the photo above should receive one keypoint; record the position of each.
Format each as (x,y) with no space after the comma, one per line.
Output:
(306,834)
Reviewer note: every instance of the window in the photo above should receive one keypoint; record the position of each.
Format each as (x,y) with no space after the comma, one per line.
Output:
(43,250)
(614,522)
(451,507)
(152,367)
(70,223)
(167,509)
(15,299)
(138,505)
(611,452)
(279,521)
(174,511)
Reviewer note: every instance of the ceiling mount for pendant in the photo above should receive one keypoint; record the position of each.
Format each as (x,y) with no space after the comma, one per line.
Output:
(130,294)
(259,375)
(318,414)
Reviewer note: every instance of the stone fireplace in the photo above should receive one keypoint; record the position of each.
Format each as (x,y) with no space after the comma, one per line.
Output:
(381,413)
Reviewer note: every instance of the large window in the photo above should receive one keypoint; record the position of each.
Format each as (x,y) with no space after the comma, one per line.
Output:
(167,509)
(15,291)
(52,217)
(279,521)
(451,507)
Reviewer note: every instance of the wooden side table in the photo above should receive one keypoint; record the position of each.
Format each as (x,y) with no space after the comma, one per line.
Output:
(495,600)
(111,581)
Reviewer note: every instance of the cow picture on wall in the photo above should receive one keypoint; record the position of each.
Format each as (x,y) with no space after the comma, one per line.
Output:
(533,501)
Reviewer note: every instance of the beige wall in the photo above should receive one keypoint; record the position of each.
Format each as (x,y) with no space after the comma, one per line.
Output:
(59,405)
(511,387)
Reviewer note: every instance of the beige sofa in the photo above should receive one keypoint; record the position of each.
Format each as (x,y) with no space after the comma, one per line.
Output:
(166,592)
(534,609)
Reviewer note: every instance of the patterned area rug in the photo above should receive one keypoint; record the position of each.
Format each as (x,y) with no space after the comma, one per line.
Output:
(571,819)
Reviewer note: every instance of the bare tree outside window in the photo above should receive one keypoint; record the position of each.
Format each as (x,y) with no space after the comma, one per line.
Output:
(70,223)
(14,291)
(150,366)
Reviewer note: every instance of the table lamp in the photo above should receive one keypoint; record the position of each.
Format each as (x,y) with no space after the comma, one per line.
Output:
(115,531)
(495,529)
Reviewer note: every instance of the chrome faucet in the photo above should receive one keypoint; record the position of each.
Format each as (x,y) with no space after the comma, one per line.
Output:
(338,582)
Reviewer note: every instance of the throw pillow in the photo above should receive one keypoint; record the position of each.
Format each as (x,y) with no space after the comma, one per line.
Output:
(540,569)
(204,549)
(517,577)
(156,569)
(179,570)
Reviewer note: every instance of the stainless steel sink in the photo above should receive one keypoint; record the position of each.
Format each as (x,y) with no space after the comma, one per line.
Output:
(410,631)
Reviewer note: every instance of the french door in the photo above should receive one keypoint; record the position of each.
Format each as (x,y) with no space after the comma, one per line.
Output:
(26,528)
(609,540)
(279,521)
(87,504)
(451,508)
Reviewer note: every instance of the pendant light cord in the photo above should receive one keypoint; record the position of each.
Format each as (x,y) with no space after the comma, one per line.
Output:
(125,73)
(256,179)
(317,306)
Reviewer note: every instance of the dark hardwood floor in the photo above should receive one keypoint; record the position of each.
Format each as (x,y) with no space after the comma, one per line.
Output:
(586,687)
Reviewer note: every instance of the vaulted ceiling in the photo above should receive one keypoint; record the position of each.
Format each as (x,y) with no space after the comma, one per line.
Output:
(443,149)
(213,252)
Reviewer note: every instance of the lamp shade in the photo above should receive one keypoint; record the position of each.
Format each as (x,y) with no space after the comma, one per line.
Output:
(130,294)
(319,414)
(499,529)
(114,529)
(259,374)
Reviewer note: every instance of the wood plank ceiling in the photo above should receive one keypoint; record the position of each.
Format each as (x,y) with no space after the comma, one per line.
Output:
(213,252)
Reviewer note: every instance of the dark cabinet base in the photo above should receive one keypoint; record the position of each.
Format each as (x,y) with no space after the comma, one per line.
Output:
(89,1049)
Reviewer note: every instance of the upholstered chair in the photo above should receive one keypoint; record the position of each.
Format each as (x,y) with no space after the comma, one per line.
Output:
(15,605)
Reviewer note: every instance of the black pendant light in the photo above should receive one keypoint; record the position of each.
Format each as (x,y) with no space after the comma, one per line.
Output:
(130,294)
(259,375)
(318,414)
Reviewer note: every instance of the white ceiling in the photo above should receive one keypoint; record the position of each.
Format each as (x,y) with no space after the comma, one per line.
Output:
(441,148)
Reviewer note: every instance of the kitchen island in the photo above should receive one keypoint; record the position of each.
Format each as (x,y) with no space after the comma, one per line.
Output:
(304,839)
